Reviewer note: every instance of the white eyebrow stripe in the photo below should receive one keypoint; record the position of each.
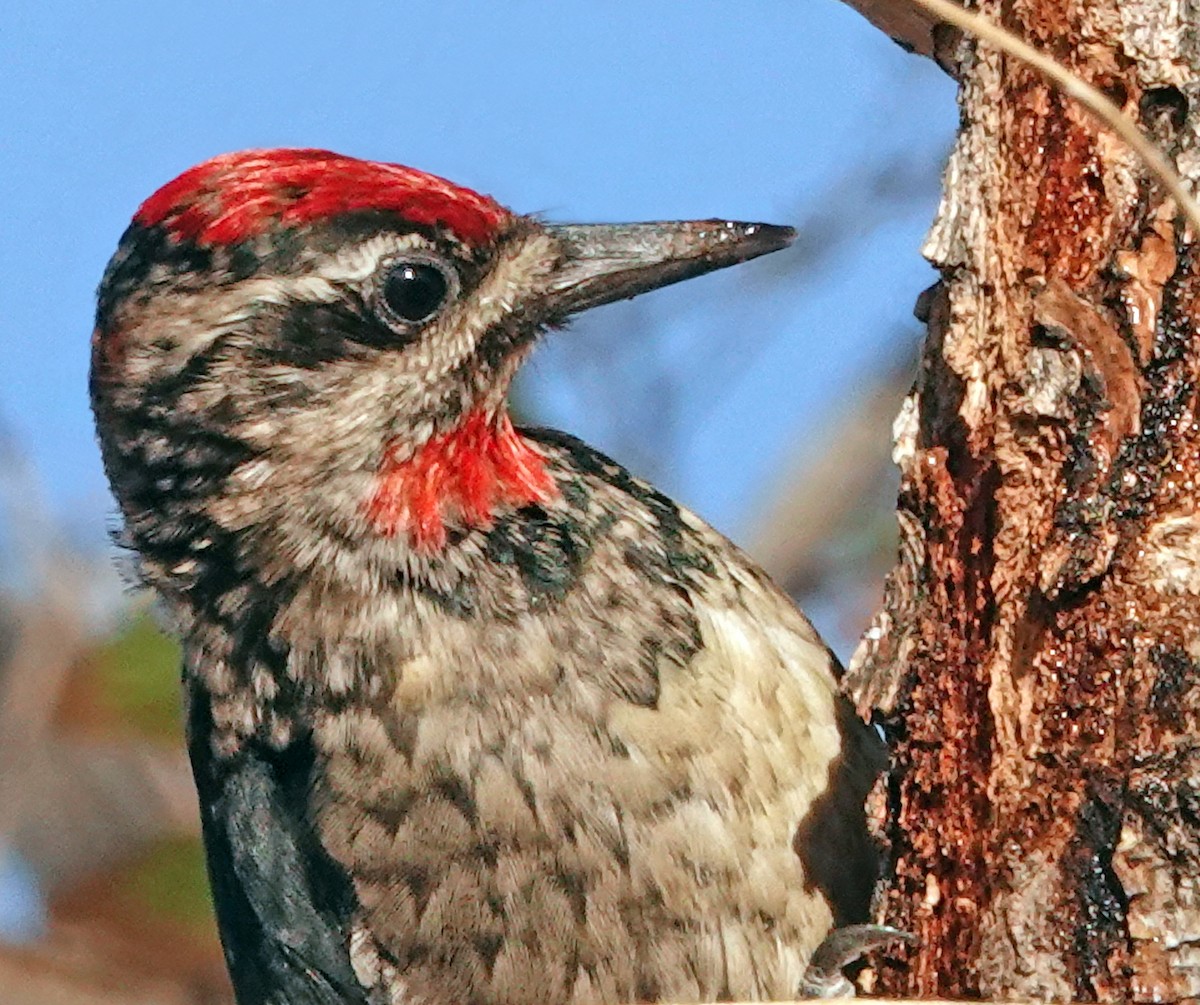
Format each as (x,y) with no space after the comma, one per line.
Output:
(359,261)
(323,284)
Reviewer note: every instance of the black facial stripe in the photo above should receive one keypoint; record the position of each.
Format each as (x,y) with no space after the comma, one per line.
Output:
(313,334)
(501,340)
(163,393)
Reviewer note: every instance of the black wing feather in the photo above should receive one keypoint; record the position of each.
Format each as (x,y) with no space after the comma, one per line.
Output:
(283,906)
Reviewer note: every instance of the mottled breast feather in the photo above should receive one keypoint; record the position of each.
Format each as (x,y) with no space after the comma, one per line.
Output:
(639,785)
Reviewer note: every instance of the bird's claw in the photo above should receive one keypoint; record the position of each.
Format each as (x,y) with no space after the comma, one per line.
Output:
(843,946)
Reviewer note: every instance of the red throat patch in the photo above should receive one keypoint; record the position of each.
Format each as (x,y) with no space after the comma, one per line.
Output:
(465,474)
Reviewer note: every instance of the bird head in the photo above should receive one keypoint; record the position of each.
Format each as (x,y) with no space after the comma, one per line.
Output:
(309,354)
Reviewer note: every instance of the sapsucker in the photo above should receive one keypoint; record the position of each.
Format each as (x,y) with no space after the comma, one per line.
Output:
(475,715)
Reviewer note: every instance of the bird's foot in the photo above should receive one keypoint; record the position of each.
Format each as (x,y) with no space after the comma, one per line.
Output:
(843,946)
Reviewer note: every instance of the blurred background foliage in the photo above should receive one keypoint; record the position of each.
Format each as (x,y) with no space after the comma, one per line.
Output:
(137,678)
(762,397)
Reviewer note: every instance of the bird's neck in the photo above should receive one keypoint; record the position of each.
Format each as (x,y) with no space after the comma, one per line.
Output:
(460,477)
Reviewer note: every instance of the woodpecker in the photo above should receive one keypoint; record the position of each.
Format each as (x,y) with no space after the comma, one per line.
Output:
(475,715)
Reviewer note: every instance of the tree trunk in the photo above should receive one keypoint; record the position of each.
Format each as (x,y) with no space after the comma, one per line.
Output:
(1037,660)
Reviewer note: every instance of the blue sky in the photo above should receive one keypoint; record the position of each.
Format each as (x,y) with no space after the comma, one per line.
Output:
(581,111)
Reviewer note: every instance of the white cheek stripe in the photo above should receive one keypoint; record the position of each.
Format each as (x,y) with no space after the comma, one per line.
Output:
(516,276)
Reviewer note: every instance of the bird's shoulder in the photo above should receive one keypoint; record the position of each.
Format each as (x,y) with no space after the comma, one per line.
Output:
(673,548)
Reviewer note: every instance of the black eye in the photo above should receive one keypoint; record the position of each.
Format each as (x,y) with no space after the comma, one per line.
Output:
(413,291)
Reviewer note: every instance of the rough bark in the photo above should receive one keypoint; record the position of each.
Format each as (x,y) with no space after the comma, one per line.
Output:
(1037,660)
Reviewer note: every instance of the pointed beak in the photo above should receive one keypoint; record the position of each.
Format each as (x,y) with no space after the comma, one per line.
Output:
(606,262)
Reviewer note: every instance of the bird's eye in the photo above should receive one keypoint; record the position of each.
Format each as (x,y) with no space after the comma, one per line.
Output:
(413,291)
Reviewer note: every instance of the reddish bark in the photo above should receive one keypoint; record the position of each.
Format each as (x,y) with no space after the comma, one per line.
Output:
(1036,660)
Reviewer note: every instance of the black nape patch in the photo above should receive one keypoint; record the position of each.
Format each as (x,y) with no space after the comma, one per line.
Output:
(139,251)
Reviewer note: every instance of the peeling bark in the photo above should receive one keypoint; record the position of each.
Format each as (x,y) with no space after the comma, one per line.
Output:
(1037,659)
